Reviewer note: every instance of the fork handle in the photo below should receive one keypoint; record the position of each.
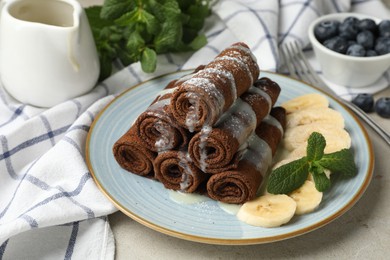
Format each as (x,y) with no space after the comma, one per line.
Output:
(378,129)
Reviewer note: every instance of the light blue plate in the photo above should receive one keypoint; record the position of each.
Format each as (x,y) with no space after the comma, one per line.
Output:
(148,202)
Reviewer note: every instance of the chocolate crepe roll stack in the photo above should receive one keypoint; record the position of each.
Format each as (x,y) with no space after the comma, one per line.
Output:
(202,99)
(175,170)
(216,149)
(133,156)
(136,150)
(241,184)
(200,130)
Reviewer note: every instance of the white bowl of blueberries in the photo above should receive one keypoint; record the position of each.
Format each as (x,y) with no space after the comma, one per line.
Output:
(352,49)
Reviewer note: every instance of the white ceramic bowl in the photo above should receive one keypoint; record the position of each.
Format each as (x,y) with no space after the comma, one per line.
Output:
(343,69)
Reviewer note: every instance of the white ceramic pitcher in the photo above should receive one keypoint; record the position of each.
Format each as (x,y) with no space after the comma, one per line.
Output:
(47,51)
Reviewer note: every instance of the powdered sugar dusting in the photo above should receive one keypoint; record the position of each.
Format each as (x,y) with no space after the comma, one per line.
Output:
(240,62)
(262,93)
(226,74)
(244,49)
(217,101)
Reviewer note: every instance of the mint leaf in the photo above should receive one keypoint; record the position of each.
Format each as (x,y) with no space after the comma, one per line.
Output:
(315,146)
(94,19)
(341,162)
(291,176)
(127,57)
(322,183)
(288,177)
(152,24)
(135,43)
(169,36)
(128,18)
(171,10)
(198,42)
(148,60)
(113,9)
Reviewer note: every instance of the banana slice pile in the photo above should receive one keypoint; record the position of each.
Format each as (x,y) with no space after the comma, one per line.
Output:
(305,114)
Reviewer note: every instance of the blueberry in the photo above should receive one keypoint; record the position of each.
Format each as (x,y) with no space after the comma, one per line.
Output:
(371,53)
(368,24)
(382,107)
(352,19)
(349,28)
(364,101)
(366,39)
(337,43)
(356,50)
(384,28)
(382,45)
(326,30)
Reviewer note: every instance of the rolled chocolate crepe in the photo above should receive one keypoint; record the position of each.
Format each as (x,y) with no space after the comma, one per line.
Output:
(207,94)
(240,185)
(218,148)
(175,170)
(157,127)
(133,156)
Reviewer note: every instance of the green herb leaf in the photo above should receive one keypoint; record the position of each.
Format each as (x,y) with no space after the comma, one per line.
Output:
(315,146)
(127,57)
(113,9)
(152,24)
(341,162)
(123,29)
(148,60)
(198,42)
(128,18)
(292,175)
(94,19)
(135,43)
(169,36)
(322,183)
(288,177)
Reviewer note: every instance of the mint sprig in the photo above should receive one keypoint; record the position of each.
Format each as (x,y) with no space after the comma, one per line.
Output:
(139,30)
(291,176)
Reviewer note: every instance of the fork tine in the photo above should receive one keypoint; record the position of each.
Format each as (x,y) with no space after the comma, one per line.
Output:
(296,60)
(310,71)
(288,60)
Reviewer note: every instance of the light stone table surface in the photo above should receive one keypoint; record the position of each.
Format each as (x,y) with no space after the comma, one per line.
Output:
(361,233)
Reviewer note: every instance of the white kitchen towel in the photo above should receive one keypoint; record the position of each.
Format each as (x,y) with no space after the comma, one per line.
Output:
(46,191)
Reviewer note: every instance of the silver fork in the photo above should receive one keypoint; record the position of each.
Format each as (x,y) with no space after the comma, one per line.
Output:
(299,68)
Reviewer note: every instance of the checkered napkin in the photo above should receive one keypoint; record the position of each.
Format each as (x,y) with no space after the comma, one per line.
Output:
(50,206)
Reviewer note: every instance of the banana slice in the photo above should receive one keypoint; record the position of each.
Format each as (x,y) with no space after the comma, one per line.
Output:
(307,198)
(268,210)
(315,115)
(334,136)
(305,101)
(332,146)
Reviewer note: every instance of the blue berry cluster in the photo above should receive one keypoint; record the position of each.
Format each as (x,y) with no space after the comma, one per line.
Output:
(367,104)
(355,37)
